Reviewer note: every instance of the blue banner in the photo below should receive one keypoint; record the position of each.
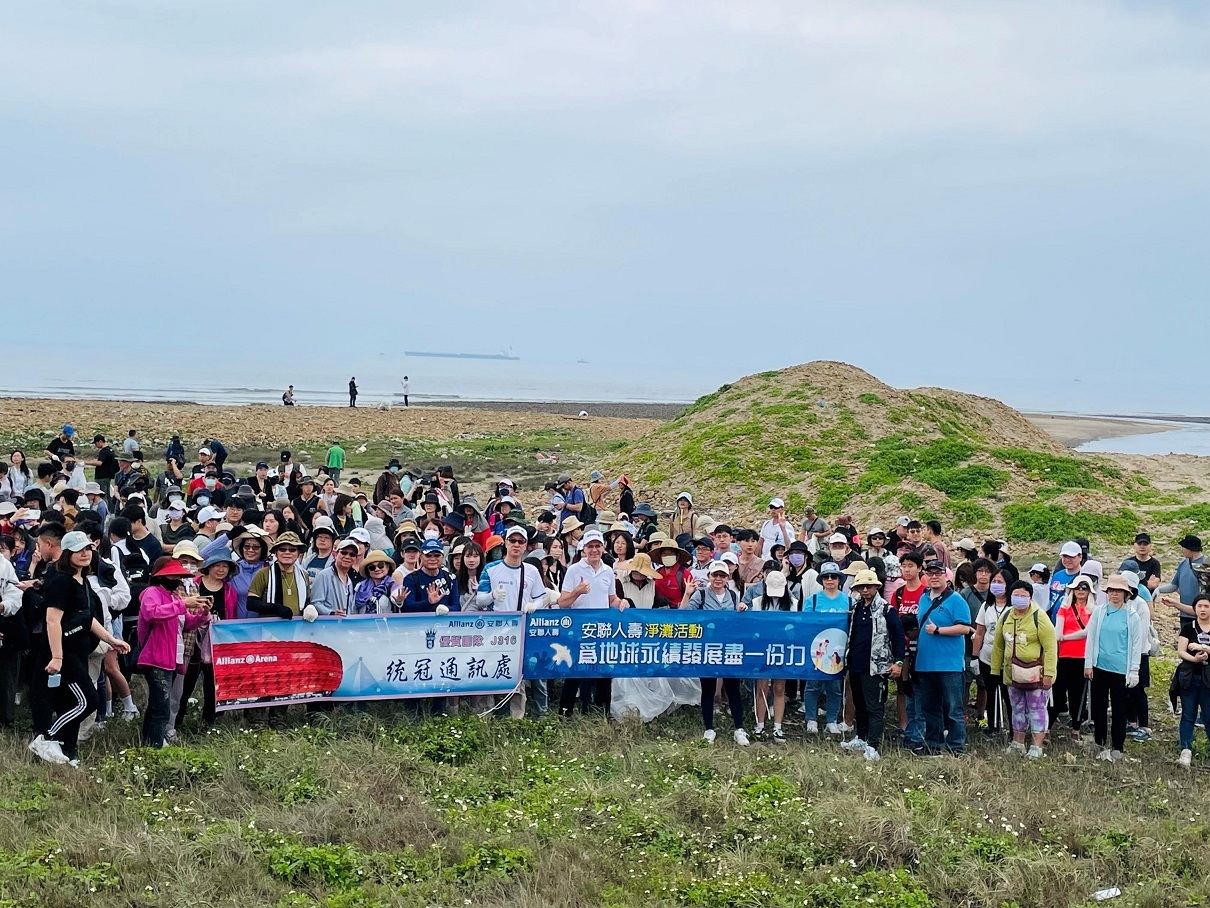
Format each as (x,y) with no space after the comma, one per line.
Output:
(269,661)
(690,643)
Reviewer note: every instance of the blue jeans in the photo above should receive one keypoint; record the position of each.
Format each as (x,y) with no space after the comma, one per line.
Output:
(155,717)
(538,695)
(914,733)
(1192,700)
(942,697)
(833,700)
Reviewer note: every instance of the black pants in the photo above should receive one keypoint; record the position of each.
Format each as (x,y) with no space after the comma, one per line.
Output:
(195,669)
(997,698)
(73,699)
(869,706)
(41,701)
(10,675)
(735,701)
(1139,713)
(1068,691)
(574,689)
(352,400)
(1109,688)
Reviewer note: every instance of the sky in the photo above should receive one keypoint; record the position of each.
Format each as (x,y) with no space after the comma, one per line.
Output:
(1008,198)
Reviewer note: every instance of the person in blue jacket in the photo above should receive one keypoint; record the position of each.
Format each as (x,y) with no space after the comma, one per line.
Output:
(432,588)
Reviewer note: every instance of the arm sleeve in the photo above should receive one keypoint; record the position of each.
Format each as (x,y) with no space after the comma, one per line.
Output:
(1050,649)
(998,648)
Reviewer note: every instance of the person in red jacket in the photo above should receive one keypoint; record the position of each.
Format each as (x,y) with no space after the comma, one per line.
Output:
(672,564)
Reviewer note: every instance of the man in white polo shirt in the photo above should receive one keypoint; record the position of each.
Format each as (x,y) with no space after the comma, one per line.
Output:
(589,583)
(511,586)
(776,530)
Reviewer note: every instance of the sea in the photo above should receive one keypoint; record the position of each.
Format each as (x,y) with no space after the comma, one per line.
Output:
(1169,438)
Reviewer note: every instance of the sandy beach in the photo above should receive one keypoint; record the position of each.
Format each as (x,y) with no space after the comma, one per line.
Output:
(1074,431)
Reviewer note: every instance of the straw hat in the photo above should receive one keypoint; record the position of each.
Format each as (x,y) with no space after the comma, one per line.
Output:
(664,546)
(640,564)
(378,556)
(571,523)
(620,528)
(856,568)
(865,578)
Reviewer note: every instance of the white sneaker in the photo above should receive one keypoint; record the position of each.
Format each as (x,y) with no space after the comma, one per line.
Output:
(1106,756)
(74,764)
(812,727)
(1035,753)
(1115,756)
(1186,758)
(853,744)
(741,737)
(50,751)
(871,755)
(708,736)
(833,728)
(1015,749)
(170,735)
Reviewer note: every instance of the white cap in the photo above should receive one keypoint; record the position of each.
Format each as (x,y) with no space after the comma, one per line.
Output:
(903,521)
(838,539)
(716,566)
(6,508)
(729,557)
(1071,549)
(966,544)
(515,530)
(777,503)
(775,583)
(209,513)
(1038,568)
(592,536)
(205,451)
(361,534)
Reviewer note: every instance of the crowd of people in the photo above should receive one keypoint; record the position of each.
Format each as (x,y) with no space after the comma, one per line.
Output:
(107,579)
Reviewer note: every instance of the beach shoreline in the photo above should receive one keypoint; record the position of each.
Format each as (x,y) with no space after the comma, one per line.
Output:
(1074,430)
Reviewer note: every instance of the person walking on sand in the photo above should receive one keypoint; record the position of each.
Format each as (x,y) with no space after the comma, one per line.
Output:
(353,392)
(405,384)
(336,455)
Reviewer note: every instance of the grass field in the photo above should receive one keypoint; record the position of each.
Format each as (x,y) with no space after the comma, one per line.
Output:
(382,809)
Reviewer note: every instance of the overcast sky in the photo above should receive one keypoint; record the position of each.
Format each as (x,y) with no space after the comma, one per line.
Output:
(1002,197)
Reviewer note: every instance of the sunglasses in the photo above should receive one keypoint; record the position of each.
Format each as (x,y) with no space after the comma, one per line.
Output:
(377,566)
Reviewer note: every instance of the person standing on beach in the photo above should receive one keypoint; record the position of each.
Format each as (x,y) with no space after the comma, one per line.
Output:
(287,397)
(336,457)
(353,392)
(405,384)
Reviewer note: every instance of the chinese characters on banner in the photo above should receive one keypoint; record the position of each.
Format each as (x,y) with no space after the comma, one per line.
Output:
(266,661)
(606,643)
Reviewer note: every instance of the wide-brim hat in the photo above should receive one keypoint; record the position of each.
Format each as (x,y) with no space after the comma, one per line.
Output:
(377,556)
(620,528)
(1116,582)
(643,509)
(855,568)
(571,523)
(186,548)
(667,545)
(286,539)
(172,568)
(222,556)
(866,578)
(640,564)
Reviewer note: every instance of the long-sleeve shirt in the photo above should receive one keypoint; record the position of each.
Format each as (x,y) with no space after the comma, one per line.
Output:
(416,598)
(1017,633)
(331,594)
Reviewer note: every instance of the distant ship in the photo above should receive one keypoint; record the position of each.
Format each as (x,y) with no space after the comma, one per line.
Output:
(503,354)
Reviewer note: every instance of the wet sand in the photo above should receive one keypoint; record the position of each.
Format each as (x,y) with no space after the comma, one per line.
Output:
(1074,431)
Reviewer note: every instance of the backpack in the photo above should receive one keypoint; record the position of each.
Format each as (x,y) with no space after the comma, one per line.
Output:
(588,514)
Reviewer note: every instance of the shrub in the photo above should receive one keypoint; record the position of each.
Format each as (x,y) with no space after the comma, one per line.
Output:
(1053,523)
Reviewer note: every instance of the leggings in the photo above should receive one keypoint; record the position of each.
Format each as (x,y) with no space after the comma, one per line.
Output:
(735,701)
(1068,691)
(73,699)
(1107,688)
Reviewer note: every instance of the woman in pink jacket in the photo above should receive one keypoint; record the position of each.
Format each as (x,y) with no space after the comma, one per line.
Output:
(163,617)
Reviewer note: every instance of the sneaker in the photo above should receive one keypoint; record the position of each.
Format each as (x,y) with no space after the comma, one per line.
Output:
(170,735)
(50,751)
(982,724)
(1015,749)
(741,737)
(1186,758)
(833,728)
(1141,735)
(812,727)
(708,736)
(871,755)
(802,709)
(1035,753)
(779,736)
(1106,756)
(1115,756)
(853,744)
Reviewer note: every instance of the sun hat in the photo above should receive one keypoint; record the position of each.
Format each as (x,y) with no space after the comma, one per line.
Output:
(1038,568)
(92,488)
(596,476)
(570,524)
(643,509)
(830,569)
(186,549)
(1116,582)
(1071,550)
(75,541)
(1080,579)
(218,556)
(875,531)
(718,567)
(620,527)
(1094,570)
(1003,544)
(321,523)
(640,564)
(838,539)
(686,496)
(866,578)
(1132,578)
(668,546)
(707,525)
(378,556)
(347,543)
(346,488)
(1191,542)
(855,568)
(287,539)
(170,568)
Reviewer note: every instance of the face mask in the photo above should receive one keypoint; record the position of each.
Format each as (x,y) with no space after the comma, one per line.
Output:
(797,559)
(176,513)
(203,500)
(838,551)
(210,483)
(431,533)
(668,560)
(997,589)
(394,469)
(1020,600)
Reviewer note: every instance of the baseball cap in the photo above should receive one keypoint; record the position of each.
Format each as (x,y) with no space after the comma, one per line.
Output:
(704,543)
(285,455)
(1071,550)
(592,536)
(1038,568)
(69,431)
(516,530)
(838,539)
(411,542)
(262,465)
(346,543)
(875,531)
(931,567)
(75,541)
(432,545)
(6,508)
(730,557)
(777,503)
(966,544)
(903,521)
(718,567)
(361,534)
(209,513)
(1143,538)
(205,450)
(830,569)
(563,477)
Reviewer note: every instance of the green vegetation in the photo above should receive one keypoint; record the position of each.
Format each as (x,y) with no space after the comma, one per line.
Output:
(1060,472)
(967,514)
(1053,523)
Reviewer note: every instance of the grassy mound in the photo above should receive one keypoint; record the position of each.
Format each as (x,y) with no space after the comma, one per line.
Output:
(830,435)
